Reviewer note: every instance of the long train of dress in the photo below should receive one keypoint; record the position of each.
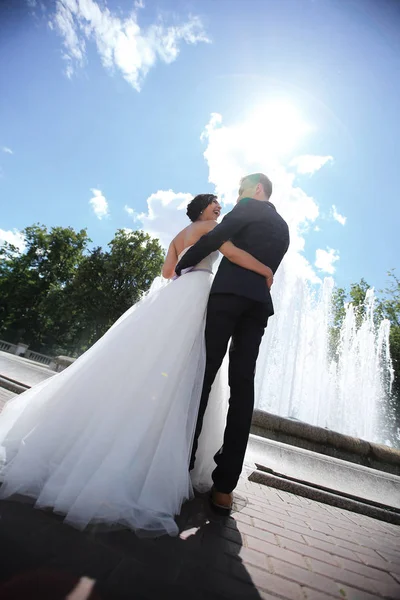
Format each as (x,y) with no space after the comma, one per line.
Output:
(108,439)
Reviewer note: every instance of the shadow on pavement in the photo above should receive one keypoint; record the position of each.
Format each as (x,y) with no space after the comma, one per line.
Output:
(202,563)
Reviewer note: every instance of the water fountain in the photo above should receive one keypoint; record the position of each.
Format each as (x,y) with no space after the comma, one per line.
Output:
(318,404)
(297,377)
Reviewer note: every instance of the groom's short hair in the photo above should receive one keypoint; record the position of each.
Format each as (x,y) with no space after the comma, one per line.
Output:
(256,178)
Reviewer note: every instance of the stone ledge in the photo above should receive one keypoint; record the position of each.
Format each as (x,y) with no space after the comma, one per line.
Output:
(325,441)
(12,385)
(356,505)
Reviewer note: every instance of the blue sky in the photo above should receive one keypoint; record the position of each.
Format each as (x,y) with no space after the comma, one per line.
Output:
(111,116)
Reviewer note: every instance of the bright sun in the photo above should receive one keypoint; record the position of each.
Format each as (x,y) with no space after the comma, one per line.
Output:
(278,127)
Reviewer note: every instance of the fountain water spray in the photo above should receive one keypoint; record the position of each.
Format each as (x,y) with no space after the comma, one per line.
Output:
(297,377)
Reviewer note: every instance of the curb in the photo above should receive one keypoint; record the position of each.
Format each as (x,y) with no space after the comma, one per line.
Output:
(387,514)
(12,386)
(325,441)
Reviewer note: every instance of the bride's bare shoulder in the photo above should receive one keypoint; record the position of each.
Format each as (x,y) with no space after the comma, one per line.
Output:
(209,225)
(191,234)
(200,228)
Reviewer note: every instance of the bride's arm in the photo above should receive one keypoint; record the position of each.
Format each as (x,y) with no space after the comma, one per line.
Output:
(242,258)
(247,261)
(168,270)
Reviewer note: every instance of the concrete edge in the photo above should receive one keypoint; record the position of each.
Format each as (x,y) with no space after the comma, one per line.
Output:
(12,386)
(325,497)
(264,422)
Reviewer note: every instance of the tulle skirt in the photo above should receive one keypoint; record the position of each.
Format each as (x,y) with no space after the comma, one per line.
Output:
(108,440)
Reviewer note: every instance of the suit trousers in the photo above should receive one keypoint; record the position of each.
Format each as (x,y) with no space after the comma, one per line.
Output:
(243,321)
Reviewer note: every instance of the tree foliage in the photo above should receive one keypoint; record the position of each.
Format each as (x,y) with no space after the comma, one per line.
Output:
(60,297)
(390,309)
(48,264)
(387,307)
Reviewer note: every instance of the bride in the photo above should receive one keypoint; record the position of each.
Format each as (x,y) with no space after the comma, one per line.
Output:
(108,440)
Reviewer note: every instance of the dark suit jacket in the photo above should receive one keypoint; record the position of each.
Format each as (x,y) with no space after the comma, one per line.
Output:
(254,226)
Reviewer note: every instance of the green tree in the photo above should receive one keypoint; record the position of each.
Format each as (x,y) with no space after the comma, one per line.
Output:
(59,297)
(357,294)
(340,297)
(106,284)
(387,307)
(48,264)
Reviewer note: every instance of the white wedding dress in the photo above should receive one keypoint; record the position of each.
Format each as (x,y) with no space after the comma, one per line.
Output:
(108,439)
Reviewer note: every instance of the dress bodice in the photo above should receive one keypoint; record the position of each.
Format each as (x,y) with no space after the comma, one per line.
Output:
(207,263)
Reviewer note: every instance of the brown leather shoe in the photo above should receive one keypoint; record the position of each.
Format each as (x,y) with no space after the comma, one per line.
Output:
(220,502)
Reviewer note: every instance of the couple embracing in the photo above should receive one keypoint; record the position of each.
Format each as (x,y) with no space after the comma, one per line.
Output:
(124,433)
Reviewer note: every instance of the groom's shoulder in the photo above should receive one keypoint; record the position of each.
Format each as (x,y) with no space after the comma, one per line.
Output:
(246,206)
(255,205)
(252,210)
(246,203)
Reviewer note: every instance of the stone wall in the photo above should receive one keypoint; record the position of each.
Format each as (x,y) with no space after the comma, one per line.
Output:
(325,441)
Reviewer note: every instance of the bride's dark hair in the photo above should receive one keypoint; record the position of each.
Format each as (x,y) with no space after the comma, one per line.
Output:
(198,204)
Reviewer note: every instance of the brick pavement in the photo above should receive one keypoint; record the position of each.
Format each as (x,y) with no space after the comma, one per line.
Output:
(277,545)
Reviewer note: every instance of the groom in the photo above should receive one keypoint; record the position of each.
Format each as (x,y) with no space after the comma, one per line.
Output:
(238,309)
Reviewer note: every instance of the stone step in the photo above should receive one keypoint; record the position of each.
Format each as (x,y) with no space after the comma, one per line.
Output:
(324,472)
(324,441)
(12,385)
(325,497)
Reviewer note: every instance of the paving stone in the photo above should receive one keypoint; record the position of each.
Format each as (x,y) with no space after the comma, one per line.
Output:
(303,576)
(366,571)
(275,547)
(249,556)
(389,555)
(272,550)
(349,593)
(309,594)
(305,550)
(88,561)
(379,563)
(273,584)
(275,529)
(385,585)
(395,576)
(331,547)
(240,517)
(257,532)
(233,587)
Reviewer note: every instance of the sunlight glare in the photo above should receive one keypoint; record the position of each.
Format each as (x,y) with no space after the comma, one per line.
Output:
(277,126)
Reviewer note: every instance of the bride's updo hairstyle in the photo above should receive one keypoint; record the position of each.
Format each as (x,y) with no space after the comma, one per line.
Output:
(198,205)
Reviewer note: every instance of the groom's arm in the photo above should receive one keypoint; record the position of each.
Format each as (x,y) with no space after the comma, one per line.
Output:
(233,222)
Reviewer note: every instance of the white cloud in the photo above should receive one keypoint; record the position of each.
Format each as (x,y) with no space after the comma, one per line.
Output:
(325,259)
(166,215)
(13,237)
(99,204)
(121,43)
(337,216)
(129,210)
(308,164)
(7,150)
(232,151)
